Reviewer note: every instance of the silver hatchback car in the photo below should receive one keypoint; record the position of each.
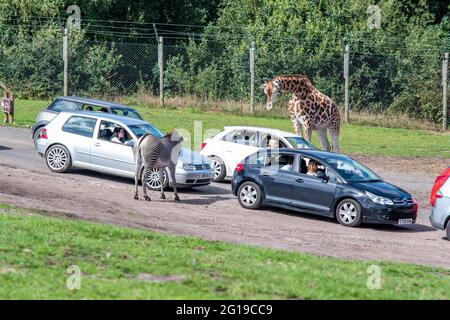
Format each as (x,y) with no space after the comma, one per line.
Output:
(103,142)
(440,202)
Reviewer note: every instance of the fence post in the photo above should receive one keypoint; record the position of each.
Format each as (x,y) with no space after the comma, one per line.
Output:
(66,60)
(252,77)
(161,70)
(346,74)
(444,92)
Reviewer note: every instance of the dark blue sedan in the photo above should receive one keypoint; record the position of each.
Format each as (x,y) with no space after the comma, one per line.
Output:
(322,183)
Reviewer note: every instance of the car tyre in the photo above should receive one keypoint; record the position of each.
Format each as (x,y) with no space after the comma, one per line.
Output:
(153,182)
(58,158)
(249,195)
(37,135)
(348,213)
(219,169)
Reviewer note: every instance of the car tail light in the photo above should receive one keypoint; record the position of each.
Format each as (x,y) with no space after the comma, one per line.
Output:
(239,167)
(44,134)
(440,180)
(203,145)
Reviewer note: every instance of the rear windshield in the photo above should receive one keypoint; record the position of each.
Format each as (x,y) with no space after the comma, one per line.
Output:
(64,105)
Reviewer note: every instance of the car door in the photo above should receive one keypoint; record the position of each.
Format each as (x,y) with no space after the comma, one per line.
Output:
(79,131)
(314,193)
(278,181)
(111,156)
(237,145)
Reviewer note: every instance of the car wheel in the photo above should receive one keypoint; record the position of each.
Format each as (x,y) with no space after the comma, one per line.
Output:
(58,158)
(219,169)
(348,213)
(249,195)
(37,134)
(153,182)
(447,230)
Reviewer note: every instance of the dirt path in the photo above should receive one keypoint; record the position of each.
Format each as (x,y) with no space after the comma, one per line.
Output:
(212,213)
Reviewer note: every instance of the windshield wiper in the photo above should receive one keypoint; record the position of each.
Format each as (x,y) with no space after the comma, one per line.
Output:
(372,180)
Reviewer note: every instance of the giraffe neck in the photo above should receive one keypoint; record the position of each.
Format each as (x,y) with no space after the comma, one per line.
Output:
(293,84)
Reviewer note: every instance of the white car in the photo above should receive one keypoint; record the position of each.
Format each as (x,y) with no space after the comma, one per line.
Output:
(103,142)
(233,144)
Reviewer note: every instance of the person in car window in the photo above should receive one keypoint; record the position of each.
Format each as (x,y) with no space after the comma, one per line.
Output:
(312,168)
(118,135)
(288,166)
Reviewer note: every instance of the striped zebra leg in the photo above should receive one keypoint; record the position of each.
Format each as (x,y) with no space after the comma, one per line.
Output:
(144,183)
(174,182)
(161,179)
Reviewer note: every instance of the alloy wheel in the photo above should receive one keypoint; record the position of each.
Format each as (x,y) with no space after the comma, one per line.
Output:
(248,195)
(347,212)
(152,179)
(57,158)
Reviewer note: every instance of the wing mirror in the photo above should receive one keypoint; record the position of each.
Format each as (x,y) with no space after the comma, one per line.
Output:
(323,176)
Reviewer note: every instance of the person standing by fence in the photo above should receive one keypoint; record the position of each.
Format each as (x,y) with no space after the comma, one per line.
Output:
(7,104)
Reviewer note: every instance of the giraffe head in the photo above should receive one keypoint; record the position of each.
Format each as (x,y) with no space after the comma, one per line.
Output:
(271,90)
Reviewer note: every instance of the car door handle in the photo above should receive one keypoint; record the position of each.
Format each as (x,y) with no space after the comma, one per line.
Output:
(97,144)
(299,180)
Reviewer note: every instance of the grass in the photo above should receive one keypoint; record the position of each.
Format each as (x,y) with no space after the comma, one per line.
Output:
(36,250)
(355,139)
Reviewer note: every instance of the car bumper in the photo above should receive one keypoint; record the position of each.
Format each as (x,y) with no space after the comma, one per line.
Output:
(440,213)
(41,146)
(384,214)
(194,178)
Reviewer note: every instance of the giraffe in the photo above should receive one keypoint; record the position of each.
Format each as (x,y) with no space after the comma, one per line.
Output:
(308,108)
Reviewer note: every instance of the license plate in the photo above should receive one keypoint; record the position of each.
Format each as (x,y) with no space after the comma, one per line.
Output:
(203,176)
(405,221)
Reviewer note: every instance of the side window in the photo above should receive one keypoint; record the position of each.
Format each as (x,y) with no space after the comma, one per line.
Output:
(283,162)
(331,175)
(64,105)
(88,107)
(112,132)
(82,126)
(311,167)
(244,137)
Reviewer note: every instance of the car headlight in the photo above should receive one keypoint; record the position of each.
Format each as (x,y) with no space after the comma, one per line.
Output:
(188,166)
(378,199)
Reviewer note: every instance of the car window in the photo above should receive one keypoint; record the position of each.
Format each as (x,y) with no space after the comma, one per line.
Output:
(64,105)
(273,160)
(82,126)
(299,142)
(140,129)
(114,133)
(271,141)
(129,113)
(244,137)
(88,107)
(311,167)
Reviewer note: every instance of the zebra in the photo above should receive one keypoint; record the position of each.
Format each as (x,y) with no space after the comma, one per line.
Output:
(150,153)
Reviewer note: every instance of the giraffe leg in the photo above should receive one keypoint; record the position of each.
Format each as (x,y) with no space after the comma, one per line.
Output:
(295,121)
(334,133)
(308,130)
(161,178)
(322,133)
(144,184)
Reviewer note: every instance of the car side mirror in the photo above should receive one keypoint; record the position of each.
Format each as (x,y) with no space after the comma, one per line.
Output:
(323,176)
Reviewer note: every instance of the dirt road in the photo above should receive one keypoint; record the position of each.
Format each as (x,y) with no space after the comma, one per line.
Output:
(213,213)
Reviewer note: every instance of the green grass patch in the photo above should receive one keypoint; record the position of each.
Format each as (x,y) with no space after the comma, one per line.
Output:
(355,139)
(121,263)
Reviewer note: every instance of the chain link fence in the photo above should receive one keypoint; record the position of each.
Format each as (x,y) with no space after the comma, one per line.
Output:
(390,90)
